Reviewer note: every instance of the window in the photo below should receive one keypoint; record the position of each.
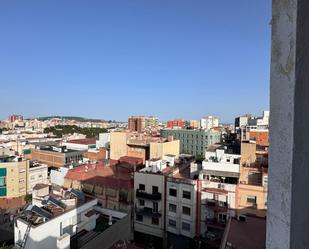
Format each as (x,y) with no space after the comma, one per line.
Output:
(186,194)
(155,221)
(172,208)
(2,181)
(186,210)
(139,217)
(155,189)
(141,187)
(222,217)
(173,192)
(141,202)
(171,223)
(155,207)
(185,226)
(251,199)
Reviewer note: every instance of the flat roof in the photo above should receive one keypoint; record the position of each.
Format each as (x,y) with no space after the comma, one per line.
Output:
(247,234)
(85,141)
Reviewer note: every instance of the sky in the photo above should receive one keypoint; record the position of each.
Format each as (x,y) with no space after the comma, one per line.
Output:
(111,59)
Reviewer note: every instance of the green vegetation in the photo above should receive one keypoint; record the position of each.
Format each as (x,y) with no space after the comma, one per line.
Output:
(60,130)
(80,119)
(28,198)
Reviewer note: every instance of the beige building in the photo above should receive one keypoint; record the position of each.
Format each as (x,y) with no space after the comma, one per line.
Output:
(13,179)
(251,192)
(141,146)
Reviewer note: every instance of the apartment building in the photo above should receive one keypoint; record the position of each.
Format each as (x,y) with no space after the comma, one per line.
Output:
(140,123)
(209,122)
(56,156)
(182,207)
(252,187)
(194,124)
(193,142)
(177,123)
(111,184)
(141,146)
(38,174)
(149,217)
(220,175)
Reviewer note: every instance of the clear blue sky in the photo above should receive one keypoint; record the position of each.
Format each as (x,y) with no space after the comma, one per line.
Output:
(111,59)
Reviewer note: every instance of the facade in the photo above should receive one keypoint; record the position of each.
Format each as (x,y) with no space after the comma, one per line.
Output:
(52,224)
(149,190)
(219,175)
(80,144)
(55,156)
(193,142)
(194,124)
(96,154)
(177,123)
(15,117)
(140,123)
(209,122)
(182,200)
(13,179)
(38,174)
(141,146)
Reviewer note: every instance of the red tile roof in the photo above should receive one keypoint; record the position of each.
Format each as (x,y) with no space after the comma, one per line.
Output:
(103,175)
(86,141)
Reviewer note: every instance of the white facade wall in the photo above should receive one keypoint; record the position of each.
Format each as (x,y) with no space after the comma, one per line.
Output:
(37,175)
(104,140)
(74,146)
(57,176)
(181,202)
(209,122)
(50,234)
(149,180)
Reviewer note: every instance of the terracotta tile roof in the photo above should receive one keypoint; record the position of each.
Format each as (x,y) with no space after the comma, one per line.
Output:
(111,176)
(86,141)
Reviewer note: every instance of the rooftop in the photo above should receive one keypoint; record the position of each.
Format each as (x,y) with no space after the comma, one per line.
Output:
(247,234)
(85,141)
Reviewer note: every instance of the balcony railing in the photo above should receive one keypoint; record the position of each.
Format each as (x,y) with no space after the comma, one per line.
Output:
(151,196)
(148,212)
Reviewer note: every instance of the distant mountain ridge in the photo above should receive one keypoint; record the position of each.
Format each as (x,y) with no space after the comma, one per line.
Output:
(80,119)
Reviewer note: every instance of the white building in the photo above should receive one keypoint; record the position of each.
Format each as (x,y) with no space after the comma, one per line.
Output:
(209,122)
(149,188)
(104,140)
(38,173)
(220,174)
(181,201)
(52,225)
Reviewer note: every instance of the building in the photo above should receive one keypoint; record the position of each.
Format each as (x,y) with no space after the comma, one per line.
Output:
(15,117)
(209,122)
(177,123)
(251,191)
(38,174)
(56,156)
(219,175)
(141,146)
(246,232)
(140,123)
(182,207)
(194,124)
(13,177)
(193,142)
(111,184)
(96,154)
(68,219)
(149,190)
(80,144)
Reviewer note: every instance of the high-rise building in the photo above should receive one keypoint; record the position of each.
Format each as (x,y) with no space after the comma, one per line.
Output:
(15,117)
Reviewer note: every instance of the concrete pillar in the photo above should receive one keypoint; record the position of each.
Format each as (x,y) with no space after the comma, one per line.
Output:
(288,198)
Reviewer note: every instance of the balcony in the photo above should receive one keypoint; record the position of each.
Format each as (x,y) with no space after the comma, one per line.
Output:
(217,206)
(147,212)
(150,196)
